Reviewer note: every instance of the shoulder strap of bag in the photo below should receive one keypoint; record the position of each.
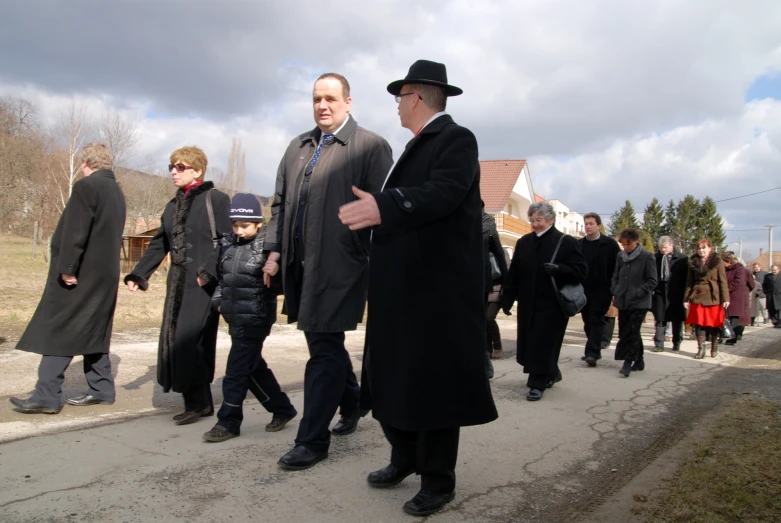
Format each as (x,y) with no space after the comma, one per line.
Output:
(210,212)
(555,252)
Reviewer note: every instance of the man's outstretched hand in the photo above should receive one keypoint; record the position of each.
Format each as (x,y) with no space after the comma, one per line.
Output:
(361,213)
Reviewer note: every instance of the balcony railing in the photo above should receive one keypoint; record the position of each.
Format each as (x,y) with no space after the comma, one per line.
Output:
(508,223)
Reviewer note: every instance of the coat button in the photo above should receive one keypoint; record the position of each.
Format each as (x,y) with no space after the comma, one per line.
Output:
(407,204)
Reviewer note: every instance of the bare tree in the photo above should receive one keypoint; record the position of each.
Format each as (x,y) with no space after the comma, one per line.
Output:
(234,179)
(71,134)
(146,196)
(120,135)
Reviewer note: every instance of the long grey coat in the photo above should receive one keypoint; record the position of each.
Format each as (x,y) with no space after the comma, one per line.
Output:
(87,242)
(333,295)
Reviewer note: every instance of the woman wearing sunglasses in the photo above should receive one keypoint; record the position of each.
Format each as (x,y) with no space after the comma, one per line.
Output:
(188,336)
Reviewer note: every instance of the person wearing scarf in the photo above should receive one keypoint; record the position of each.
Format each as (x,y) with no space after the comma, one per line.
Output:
(707,296)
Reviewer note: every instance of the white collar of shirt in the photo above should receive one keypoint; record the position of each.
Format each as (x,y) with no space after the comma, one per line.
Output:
(437,115)
(543,232)
(336,131)
(599,235)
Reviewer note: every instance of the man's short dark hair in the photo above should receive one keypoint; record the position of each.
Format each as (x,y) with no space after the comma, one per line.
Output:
(593,215)
(342,80)
(433,96)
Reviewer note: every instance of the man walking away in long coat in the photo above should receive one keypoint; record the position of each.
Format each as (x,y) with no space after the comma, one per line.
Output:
(771,286)
(76,311)
(600,253)
(324,264)
(760,302)
(672,268)
(423,375)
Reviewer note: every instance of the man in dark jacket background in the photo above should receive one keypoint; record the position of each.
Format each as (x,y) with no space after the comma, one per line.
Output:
(671,270)
(423,376)
(761,301)
(324,264)
(771,286)
(76,311)
(600,253)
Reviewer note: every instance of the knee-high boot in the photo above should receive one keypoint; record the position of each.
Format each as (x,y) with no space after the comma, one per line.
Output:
(714,344)
(700,332)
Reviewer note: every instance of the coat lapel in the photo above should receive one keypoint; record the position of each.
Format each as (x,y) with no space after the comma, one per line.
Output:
(432,128)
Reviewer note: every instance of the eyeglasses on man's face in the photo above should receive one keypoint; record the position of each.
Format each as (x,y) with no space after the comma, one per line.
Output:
(398,97)
(180,167)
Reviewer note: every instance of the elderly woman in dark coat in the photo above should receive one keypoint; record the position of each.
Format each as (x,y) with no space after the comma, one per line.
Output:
(188,336)
(707,295)
(541,321)
(671,269)
(740,288)
(634,281)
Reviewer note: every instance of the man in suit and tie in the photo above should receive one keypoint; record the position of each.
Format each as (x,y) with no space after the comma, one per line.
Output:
(423,376)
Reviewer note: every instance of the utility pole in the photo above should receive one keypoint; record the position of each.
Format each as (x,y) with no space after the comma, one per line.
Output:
(770,245)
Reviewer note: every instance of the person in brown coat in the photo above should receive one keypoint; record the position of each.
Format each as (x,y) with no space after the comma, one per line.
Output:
(707,295)
(740,289)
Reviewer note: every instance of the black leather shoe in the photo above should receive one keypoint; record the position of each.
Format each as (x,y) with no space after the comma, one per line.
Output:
(30,407)
(347,424)
(534,395)
(555,380)
(426,503)
(387,477)
(87,399)
(301,458)
(591,360)
(190,416)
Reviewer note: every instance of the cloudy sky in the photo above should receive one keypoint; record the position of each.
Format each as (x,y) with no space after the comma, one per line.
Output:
(608,100)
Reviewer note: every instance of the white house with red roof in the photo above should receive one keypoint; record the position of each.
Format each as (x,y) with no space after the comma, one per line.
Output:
(506,189)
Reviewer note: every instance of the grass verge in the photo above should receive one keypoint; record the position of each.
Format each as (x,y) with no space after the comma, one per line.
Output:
(735,474)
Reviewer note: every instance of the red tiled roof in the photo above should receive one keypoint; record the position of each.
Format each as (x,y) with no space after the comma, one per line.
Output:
(538,198)
(497,179)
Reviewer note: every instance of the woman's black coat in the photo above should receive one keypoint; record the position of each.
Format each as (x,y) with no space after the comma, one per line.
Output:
(541,322)
(77,319)
(424,363)
(188,336)
(668,295)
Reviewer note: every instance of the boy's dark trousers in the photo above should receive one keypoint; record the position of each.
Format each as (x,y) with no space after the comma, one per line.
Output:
(247,371)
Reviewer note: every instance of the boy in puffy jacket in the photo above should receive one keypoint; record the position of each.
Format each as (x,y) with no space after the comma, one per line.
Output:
(250,308)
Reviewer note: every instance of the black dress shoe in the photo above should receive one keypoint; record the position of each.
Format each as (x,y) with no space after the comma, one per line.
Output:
(87,399)
(191,416)
(347,424)
(426,503)
(387,477)
(301,458)
(534,395)
(557,378)
(30,407)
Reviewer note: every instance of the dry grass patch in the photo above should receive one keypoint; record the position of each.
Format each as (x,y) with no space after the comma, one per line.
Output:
(735,475)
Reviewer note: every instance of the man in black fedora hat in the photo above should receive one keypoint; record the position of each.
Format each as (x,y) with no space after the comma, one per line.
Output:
(423,382)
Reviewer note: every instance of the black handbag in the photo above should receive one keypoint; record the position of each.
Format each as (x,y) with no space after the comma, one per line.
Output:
(572,296)
(727,332)
(496,272)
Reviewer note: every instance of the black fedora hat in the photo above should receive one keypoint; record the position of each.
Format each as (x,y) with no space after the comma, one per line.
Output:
(428,73)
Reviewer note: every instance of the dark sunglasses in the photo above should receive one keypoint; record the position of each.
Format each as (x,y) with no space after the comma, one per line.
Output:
(180,167)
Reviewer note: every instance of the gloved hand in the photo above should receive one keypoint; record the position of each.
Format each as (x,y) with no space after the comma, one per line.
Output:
(550,268)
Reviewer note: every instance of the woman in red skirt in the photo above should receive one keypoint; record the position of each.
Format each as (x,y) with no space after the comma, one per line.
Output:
(707,295)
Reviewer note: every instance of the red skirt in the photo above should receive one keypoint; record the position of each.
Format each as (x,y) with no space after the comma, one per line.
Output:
(706,315)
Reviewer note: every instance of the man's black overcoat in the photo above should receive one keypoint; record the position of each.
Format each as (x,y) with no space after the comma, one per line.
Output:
(668,296)
(597,284)
(188,335)
(424,365)
(86,243)
(541,322)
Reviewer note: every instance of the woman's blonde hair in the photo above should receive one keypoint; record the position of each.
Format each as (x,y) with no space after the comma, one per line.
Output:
(97,156)
(192,156)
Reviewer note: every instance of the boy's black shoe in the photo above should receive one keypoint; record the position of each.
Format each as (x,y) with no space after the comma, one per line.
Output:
(218,433)
(426,503)
(301,458)
(277,424)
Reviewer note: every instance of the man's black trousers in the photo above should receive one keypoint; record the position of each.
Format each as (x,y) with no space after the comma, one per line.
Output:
(51,374)
(329,383)
(430,453)
(594,322)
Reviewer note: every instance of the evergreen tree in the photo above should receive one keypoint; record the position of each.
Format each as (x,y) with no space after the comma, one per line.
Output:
(669,220)
(686,229)
(653,221)
(622,218)
(711,226)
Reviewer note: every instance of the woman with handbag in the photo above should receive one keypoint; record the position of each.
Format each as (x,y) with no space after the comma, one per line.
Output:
(706,296)
(495,273)
(740,289)
(191,224)
(634,281)
(544,261)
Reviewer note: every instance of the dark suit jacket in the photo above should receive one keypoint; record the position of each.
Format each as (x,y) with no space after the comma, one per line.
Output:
(597,284)
(424,365)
